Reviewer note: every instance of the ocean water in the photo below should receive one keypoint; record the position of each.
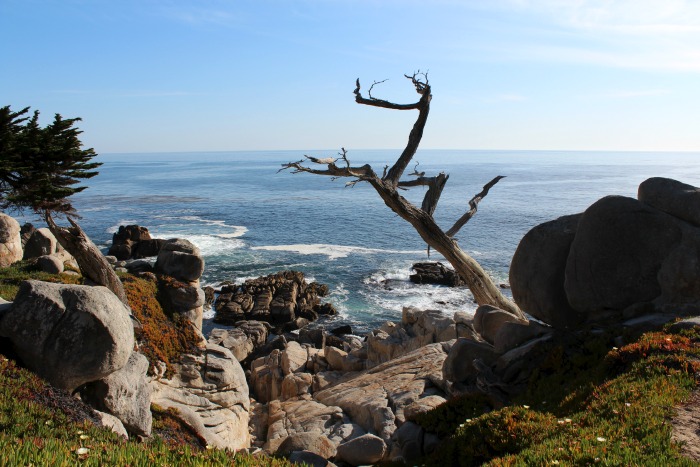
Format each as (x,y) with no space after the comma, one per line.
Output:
(248,219)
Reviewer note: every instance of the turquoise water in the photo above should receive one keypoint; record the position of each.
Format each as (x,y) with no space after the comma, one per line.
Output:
(249,219)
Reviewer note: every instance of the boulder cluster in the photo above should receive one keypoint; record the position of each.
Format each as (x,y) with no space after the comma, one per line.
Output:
(134,242)
(39,246)
(621,260)
(342,397)
(283,299)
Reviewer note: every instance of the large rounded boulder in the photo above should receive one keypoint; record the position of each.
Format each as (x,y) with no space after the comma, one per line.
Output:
(672,197)
(41,243)
(180,259)
(69,334)
(537,272)
(616,255)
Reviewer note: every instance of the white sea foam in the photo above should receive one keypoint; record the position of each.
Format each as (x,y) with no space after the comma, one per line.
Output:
(396,295)
(237,230)
(209,245)
(332,251)
(209,314)
(339,297)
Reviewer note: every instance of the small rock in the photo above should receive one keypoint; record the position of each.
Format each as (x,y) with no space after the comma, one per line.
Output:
(364,450)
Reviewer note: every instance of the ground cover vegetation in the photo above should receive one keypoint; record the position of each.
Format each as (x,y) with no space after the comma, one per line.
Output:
(42,425)
(610,407)
(594,404)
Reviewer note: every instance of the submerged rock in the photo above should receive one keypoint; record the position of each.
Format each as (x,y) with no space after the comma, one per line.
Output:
(435,273)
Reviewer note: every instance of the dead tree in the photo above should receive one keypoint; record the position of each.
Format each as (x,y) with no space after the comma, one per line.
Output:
(483,288)
(90,259)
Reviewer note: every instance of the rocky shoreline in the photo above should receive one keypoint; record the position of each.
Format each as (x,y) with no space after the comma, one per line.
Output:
(269,381)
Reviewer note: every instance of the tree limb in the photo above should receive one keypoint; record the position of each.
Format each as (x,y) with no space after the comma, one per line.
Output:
(482,286)
(90,259)
(473,204)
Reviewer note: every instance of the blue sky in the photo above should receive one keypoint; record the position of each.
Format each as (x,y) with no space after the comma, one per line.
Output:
(215,75)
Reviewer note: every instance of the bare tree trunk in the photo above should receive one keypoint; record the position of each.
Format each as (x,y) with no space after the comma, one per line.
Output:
(483,288)
(90,259)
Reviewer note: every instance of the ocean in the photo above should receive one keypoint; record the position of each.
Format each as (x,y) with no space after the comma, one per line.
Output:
(249,219)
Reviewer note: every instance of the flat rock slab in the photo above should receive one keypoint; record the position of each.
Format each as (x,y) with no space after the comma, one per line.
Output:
(375,399)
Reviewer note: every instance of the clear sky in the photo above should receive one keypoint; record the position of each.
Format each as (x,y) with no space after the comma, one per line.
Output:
(210,75)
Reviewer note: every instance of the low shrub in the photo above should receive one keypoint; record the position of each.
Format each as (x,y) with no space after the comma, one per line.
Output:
(615,410)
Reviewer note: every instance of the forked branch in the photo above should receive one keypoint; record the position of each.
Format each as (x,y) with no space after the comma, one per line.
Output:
(473,205)
(386,186)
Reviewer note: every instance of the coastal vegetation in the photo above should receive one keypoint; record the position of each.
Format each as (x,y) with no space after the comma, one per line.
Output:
(612,408)
(605,405)
(43,425)
(39,170)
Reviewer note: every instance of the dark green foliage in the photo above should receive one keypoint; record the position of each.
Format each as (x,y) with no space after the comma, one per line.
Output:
(40,167)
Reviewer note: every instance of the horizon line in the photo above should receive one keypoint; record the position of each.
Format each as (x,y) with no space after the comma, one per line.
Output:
(223,151)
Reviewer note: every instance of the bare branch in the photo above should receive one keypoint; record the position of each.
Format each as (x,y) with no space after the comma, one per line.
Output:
(344,155)
(373,101)
(432,196)
(324,161)
(420,81)
(414,138)
(473,204)
(363,173)
(369,91)
(415,172)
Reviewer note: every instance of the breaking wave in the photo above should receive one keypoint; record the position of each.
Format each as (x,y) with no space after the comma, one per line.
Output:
(331,251)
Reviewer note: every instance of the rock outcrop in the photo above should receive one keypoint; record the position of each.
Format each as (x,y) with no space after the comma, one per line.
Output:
(134,242)
(182,261)
(242,340)
(125,394)
(416,329)
(621,259)
(69,334)
(210,394)
(435,273)
(10,241)
(377,399)
(281,299)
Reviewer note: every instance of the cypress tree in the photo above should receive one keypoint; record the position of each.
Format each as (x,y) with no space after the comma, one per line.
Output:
(41,166)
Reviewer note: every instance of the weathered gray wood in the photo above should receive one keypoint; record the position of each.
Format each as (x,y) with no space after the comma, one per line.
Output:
(90,259)
(483,288)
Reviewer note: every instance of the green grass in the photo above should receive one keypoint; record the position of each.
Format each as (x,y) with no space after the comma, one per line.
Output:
(613,411)
(40,425)
(11,277)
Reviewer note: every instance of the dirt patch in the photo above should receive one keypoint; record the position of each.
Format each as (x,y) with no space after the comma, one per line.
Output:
(686,427)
